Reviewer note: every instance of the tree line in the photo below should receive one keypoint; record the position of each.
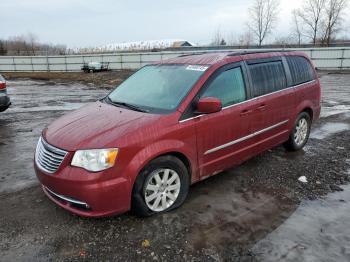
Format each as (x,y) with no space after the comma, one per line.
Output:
(28,45)
(316,22)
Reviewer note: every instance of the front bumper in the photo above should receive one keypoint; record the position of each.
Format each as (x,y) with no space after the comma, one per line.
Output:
(4,103)
(84,193)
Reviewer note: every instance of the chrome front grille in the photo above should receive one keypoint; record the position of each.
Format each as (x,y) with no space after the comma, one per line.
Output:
(47,157)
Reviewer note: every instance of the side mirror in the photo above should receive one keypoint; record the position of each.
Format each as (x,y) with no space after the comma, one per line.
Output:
(207,105)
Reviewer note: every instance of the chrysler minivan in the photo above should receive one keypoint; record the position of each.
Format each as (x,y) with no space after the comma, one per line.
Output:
(172,124)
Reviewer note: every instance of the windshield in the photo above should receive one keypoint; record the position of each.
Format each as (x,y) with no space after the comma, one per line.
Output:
(157,87)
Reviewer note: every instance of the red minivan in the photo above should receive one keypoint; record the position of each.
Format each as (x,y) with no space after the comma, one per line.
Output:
(174,123)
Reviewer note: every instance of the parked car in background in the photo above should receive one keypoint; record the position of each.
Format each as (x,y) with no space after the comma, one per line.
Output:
(95,67)
(172,124)
(4,99)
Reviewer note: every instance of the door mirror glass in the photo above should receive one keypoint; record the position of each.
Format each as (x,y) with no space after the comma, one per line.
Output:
(207,105)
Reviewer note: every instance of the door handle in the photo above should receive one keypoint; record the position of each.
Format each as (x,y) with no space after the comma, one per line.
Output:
(245,112)
(261,107)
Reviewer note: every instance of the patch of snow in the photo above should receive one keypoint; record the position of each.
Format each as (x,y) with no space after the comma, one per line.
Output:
(334,110)
(302,179)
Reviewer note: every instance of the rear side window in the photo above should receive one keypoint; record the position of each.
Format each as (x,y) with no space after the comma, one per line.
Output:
(300,69)
(228,87)
(267,78)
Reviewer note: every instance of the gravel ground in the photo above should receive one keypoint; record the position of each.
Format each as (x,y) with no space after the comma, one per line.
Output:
(225,218)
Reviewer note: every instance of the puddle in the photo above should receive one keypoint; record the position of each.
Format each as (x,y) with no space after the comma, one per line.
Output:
(318,230)
(239,220)
(335,88)
(24,82)
(328,129)
(35,104)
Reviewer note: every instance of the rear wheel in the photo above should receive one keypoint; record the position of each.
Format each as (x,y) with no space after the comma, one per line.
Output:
(300,133)
(161,186)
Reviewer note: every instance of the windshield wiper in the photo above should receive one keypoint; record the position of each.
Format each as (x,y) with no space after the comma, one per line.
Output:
(127,105)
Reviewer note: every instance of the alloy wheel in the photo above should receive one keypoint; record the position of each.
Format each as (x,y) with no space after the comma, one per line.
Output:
(162,189)
(301,131)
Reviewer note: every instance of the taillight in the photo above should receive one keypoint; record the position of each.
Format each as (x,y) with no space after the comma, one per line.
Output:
(2,85)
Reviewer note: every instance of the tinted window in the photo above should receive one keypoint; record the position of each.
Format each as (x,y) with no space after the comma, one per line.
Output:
(300,69)
(228,87)
(267,77)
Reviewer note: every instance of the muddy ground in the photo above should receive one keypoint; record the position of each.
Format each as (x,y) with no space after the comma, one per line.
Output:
(108,79)
(258,211)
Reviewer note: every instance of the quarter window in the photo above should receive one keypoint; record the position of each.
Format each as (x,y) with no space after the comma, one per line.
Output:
(267,78)
(300,69)
(228,87)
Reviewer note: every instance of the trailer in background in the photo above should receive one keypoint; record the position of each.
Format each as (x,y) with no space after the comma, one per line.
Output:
(95,67)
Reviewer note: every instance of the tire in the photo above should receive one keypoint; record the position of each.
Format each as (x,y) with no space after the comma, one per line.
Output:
(297,139)
(146,186)
(3,108)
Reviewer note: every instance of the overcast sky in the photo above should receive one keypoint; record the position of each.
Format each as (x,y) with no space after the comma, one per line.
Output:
(78,23)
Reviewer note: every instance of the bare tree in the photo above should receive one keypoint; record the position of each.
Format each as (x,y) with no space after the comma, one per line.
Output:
(232,39)
(16,45)
(3,49)
(263,15)
(217,38)
(297,27)
(283,41)
(27,45)
(31,40)
(334,10)
(311,16)
(245,40)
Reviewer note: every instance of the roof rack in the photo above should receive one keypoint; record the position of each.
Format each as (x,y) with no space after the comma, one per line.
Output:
(205,52)
(248,52)
(190,54)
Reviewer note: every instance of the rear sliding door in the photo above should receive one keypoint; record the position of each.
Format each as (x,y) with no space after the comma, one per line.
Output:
(271,85)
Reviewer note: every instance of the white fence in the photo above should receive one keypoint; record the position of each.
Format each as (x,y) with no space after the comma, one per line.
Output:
(333,58)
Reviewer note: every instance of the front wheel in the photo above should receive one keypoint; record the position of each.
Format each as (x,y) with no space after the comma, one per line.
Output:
(161,186)
(300,133)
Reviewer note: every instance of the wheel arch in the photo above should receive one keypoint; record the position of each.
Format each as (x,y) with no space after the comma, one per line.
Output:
(174,153)
(186,154)
(305,106)
(182,157)
(309,111)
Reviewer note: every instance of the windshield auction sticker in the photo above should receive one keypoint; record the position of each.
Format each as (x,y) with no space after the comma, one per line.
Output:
(196,68)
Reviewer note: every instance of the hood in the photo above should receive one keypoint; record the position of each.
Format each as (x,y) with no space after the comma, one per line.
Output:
(96,125)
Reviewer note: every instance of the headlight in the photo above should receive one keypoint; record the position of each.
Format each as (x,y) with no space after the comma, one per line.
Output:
(95,159)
